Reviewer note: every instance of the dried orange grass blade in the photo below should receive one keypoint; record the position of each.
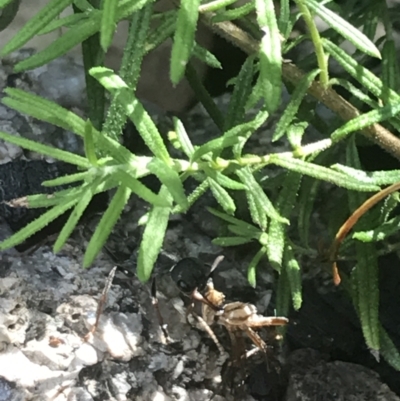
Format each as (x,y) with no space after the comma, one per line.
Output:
(351,221)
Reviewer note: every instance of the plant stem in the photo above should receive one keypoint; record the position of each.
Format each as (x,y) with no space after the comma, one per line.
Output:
(316,39)
(329,97)
(93,56)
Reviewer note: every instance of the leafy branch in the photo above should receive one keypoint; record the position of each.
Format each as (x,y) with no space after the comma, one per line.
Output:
(224,165)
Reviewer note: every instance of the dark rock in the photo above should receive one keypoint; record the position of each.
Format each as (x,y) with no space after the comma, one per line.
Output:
(21,178)
(311,378)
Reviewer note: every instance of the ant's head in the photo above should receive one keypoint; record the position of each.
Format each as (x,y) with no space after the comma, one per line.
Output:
(190,274)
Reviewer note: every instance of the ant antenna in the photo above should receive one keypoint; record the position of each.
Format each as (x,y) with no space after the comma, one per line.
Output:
(216,263)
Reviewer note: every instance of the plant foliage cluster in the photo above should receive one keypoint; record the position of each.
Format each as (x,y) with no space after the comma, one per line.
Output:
(264,29)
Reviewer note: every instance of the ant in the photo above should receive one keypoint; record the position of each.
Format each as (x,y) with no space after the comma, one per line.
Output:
(194,281)
(190,276)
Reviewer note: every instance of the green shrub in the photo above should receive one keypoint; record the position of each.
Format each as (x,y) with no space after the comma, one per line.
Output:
(220,165)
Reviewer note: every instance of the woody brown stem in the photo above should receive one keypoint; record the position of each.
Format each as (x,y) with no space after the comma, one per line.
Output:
(328,96)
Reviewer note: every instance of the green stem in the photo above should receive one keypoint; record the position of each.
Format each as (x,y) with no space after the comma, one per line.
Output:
(93,56)
(316,39)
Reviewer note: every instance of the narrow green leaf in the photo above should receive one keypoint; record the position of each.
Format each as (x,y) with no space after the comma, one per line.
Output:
(322,173)
(295,134)
(315,37)
(36,225)
(106,224)
(206,56)
(276,244)
(246,231)
(135,111)
(183,137)
(234,13)
(288,194)
(223,180)
(364,277)
(361,74)
(255,189)
(34,146)
(252,268)
(194,196)
(45,200)
(216,5)
(307,196)
(8,12)
(256,123)
(222,196)
(46,15)
(365,120)
(294,104)
(74,36)
(135,48)
(203,96)
(390,67)
(162,32)
(356,92)
(277,230)
(231,241)
(67,179)
(61,196)
(241,92)
(380,233)
(84,5)
(131,64)
(66,22)
(348,31)
(233,220)
(375,177)
(293,272)
(231,137)
(215,144)
(284,21)
(90,150)
(385,177)
(269,55)
(126,8)
(3,3)
(140,189)
(153,237)
(108,23)
(44,110)
(257,213)
(365,283)
(388,350)
(227,182)
(184,38)
(369,19)
(84,199)
(52,113)
(171,180)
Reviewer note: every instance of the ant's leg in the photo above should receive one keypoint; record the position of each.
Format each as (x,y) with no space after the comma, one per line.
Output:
(163,326)
(255,338)
(102,301)
(205,326)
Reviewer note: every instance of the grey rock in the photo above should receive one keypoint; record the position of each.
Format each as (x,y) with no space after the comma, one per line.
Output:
(312,378)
